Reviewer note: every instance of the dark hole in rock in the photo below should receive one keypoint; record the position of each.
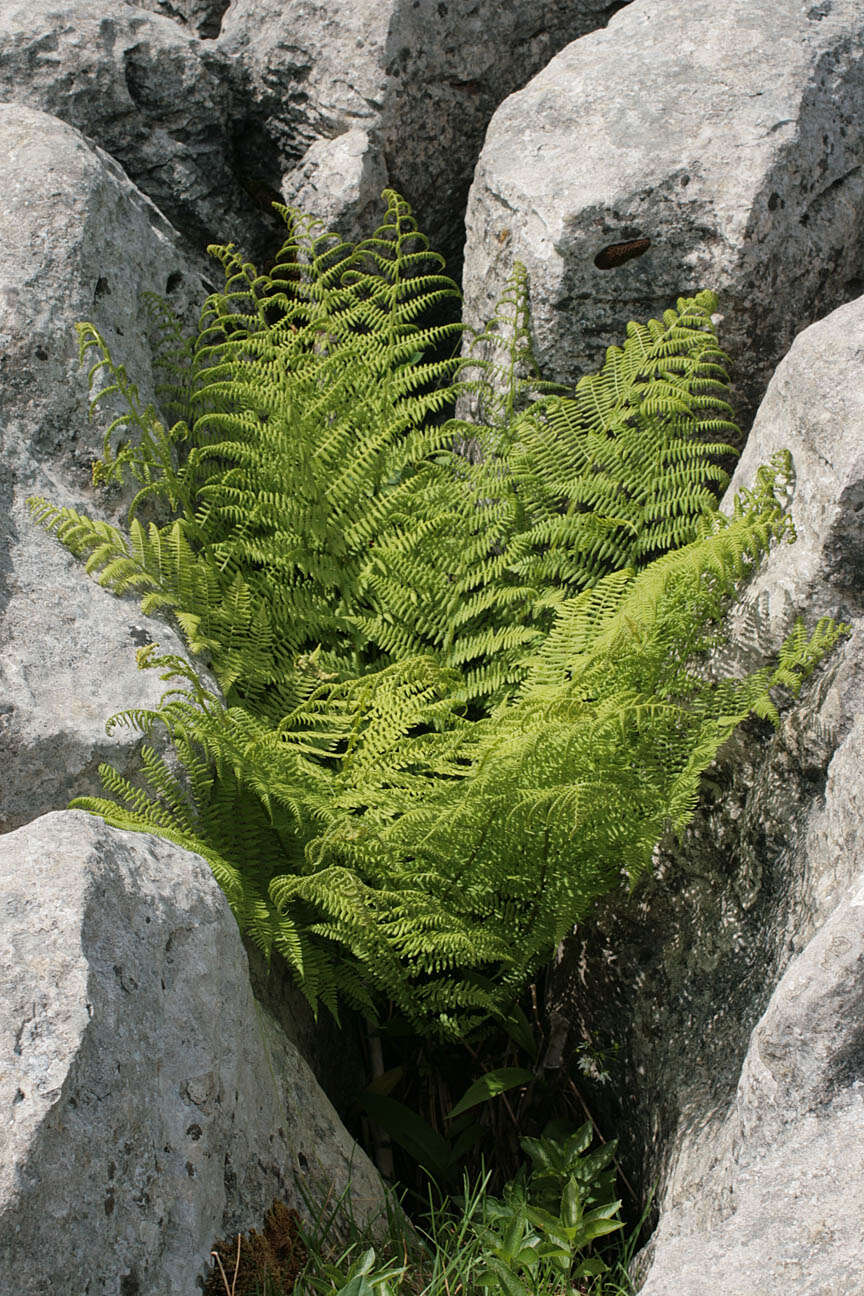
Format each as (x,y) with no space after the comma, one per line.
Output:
(173,282)
(617,253)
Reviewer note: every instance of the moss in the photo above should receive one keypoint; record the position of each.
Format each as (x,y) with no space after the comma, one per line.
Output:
(254,1262)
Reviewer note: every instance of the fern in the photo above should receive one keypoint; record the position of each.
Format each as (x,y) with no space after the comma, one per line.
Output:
(462,694)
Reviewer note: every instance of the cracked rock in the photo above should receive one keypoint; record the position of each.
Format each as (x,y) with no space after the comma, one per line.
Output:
(729,136)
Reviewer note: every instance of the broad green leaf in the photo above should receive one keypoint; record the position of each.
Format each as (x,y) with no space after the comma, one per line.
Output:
(602,1212)
(359,1285)
(490,1085)
(410,1131)
(588,1232)
(589,1166)
(518,1027)
(541,1151)
(592,1267)
(571,1204)
(387,1081)
(367,1260)
(501,1276)
(468,1139)
(579,1141)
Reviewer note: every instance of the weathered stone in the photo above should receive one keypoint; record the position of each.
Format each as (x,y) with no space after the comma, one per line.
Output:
(730,136)
(203,16)
(814,406)
(151,1106)
(754,906)
(212,129)
(421,78)
(76,242)
(339,181)
(780,1207)
(154,97)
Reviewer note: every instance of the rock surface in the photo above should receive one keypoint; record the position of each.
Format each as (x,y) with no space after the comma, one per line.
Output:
(203,16)
(151,1106)
(780,1208)
(743,1122)
(730,136)
(77,241)
(814,406)
(340,181)
(149,93)
(421,79)
(212,108)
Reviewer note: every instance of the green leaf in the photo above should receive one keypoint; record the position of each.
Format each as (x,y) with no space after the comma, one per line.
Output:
(519,1028)
(489,1086)
(387,1081)
(411,1132)
(359,1285)
(571,1204)
(555,1229)
(462,695)
(591,1267)
(603,1212)
(467,1139)
(588,1232)
(501,1276)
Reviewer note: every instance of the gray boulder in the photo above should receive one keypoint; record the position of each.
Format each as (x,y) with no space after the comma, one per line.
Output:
(77,242)
(731,987)
(204,17)
(421,78)
(212,109)
(814,406)
(339,181)
(730,136)
(780,1205)
(153,96)
(152,1107)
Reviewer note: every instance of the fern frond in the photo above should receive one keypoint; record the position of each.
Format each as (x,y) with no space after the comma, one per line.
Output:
(463,666)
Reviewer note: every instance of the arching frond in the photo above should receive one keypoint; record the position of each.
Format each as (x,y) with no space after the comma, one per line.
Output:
(462,665)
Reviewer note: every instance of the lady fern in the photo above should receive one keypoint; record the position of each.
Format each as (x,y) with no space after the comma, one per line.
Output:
(461,693)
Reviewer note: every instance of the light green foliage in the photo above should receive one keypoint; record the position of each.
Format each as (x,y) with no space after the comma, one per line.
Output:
(464,693)
(545,1224)
(537,1239)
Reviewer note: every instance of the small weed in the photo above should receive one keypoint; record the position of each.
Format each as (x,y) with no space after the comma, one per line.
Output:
(538,1239)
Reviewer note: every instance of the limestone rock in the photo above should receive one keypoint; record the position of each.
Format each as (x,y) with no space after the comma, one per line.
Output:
(203,16)
(788,1186)
(814,406)
(154,97)
(339,181)
(211,108)
(151,1106)
(730,136)
(421,78)
(76,242)
(741,1122)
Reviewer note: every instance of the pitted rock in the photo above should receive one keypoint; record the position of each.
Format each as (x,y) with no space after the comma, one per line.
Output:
(730,136)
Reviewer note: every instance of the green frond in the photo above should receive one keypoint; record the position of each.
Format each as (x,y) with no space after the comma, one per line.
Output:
(462,665)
